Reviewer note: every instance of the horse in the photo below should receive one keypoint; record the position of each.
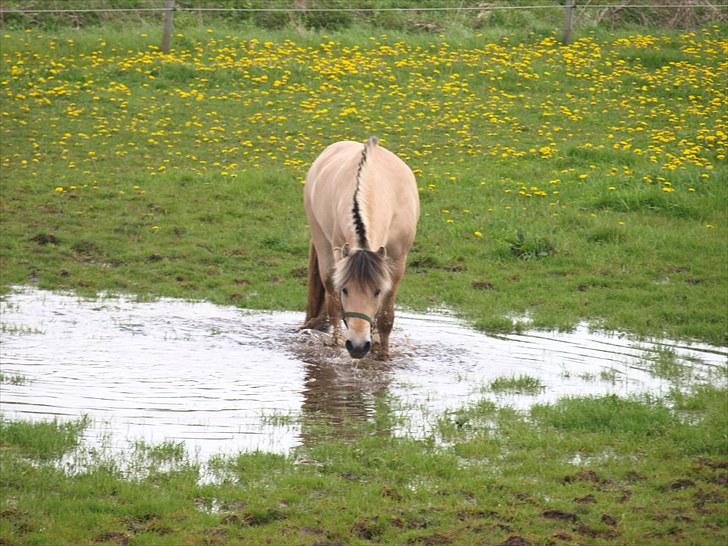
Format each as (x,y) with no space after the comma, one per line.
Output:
(362,205)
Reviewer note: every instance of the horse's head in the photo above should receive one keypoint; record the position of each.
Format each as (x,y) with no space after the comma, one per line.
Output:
(362,279)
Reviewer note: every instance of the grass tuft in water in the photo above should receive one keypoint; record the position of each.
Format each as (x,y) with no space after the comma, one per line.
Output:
(163,452)
(666,364)
(609,375)
(523,384)
(16,379)
(280,419)
(43,440)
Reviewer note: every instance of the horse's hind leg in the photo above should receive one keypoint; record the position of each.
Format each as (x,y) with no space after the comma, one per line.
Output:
(316,316)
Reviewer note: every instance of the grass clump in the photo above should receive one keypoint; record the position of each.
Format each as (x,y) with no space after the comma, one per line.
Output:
(528,248)
(665,363)
(41,440)
(522,384)
(13,379)
(609,414)
(609,375)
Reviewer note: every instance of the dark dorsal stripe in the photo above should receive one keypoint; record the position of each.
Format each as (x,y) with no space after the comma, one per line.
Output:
(361,230)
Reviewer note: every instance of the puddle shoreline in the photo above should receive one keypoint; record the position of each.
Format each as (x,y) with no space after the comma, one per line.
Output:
(222,380)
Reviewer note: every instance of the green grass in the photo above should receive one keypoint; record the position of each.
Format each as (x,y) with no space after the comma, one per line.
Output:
(597,471)
(523,384)
(16,379)
(560,183)
(666,364)
(571,189)
(42,440)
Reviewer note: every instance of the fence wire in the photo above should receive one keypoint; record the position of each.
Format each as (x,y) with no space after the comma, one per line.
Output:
(294,9)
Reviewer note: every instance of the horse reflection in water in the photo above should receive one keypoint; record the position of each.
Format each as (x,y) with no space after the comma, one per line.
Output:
(340,396)
(340,403)
(362,207)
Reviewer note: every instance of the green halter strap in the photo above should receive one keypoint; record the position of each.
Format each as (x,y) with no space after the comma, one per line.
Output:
(354,314)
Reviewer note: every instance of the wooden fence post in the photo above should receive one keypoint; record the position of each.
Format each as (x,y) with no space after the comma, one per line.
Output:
(568,20)
(168,26)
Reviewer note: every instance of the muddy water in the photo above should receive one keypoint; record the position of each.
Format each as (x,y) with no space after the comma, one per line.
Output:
(221,380)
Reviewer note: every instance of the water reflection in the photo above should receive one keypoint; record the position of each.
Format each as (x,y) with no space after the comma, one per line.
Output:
(220,379)
(339,393)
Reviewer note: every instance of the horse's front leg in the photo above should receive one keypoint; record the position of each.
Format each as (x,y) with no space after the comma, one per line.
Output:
(385,321)
(385,318)
(333,308)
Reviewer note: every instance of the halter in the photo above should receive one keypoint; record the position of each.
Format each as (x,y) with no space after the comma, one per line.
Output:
(354,314)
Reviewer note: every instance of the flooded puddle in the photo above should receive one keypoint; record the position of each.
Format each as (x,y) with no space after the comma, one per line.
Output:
(222,380)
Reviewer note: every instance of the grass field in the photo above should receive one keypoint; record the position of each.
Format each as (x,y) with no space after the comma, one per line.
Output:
(600,471)
(558,184)
(564,183)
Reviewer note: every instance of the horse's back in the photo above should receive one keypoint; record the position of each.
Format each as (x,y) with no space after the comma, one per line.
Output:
(334,157)
(386,187)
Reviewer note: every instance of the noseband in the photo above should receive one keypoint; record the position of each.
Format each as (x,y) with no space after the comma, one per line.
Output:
(354,314)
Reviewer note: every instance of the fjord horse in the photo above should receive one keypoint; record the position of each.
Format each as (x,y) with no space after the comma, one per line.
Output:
(362,207)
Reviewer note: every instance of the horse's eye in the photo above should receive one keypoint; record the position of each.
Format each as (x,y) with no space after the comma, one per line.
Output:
(377,292)
(345,291)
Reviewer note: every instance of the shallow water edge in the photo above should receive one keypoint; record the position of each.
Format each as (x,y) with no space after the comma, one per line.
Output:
(218,379)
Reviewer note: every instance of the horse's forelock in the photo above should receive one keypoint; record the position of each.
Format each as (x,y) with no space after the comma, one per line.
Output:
(366,268)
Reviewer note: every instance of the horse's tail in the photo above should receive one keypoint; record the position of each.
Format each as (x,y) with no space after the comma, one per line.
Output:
(316,293)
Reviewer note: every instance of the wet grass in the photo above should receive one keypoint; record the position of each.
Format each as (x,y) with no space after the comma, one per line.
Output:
(13,379)
(598,470)
(523,384)
(280,419)
(666,364)
(609,375)
(42,440)
(551,182)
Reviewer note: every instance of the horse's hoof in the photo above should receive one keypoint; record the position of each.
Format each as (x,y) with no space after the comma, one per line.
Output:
(381,356)
(316,323)
(335,340)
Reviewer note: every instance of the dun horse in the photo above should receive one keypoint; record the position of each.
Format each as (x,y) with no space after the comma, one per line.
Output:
(362,207)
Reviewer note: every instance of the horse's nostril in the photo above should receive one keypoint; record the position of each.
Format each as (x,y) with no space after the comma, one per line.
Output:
(358,351)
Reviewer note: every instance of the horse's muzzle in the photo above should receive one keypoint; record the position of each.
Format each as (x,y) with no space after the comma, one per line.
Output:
(358,351)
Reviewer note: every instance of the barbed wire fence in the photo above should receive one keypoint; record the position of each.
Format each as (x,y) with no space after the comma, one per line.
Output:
(570,8)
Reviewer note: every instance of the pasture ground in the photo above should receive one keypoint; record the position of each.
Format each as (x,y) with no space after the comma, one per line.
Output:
(557,183)
(597,471)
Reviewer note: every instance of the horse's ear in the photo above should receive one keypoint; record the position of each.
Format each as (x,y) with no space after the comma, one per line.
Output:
(345,250)
(382,252)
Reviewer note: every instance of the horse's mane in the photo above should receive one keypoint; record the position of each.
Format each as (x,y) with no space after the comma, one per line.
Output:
(366,268)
